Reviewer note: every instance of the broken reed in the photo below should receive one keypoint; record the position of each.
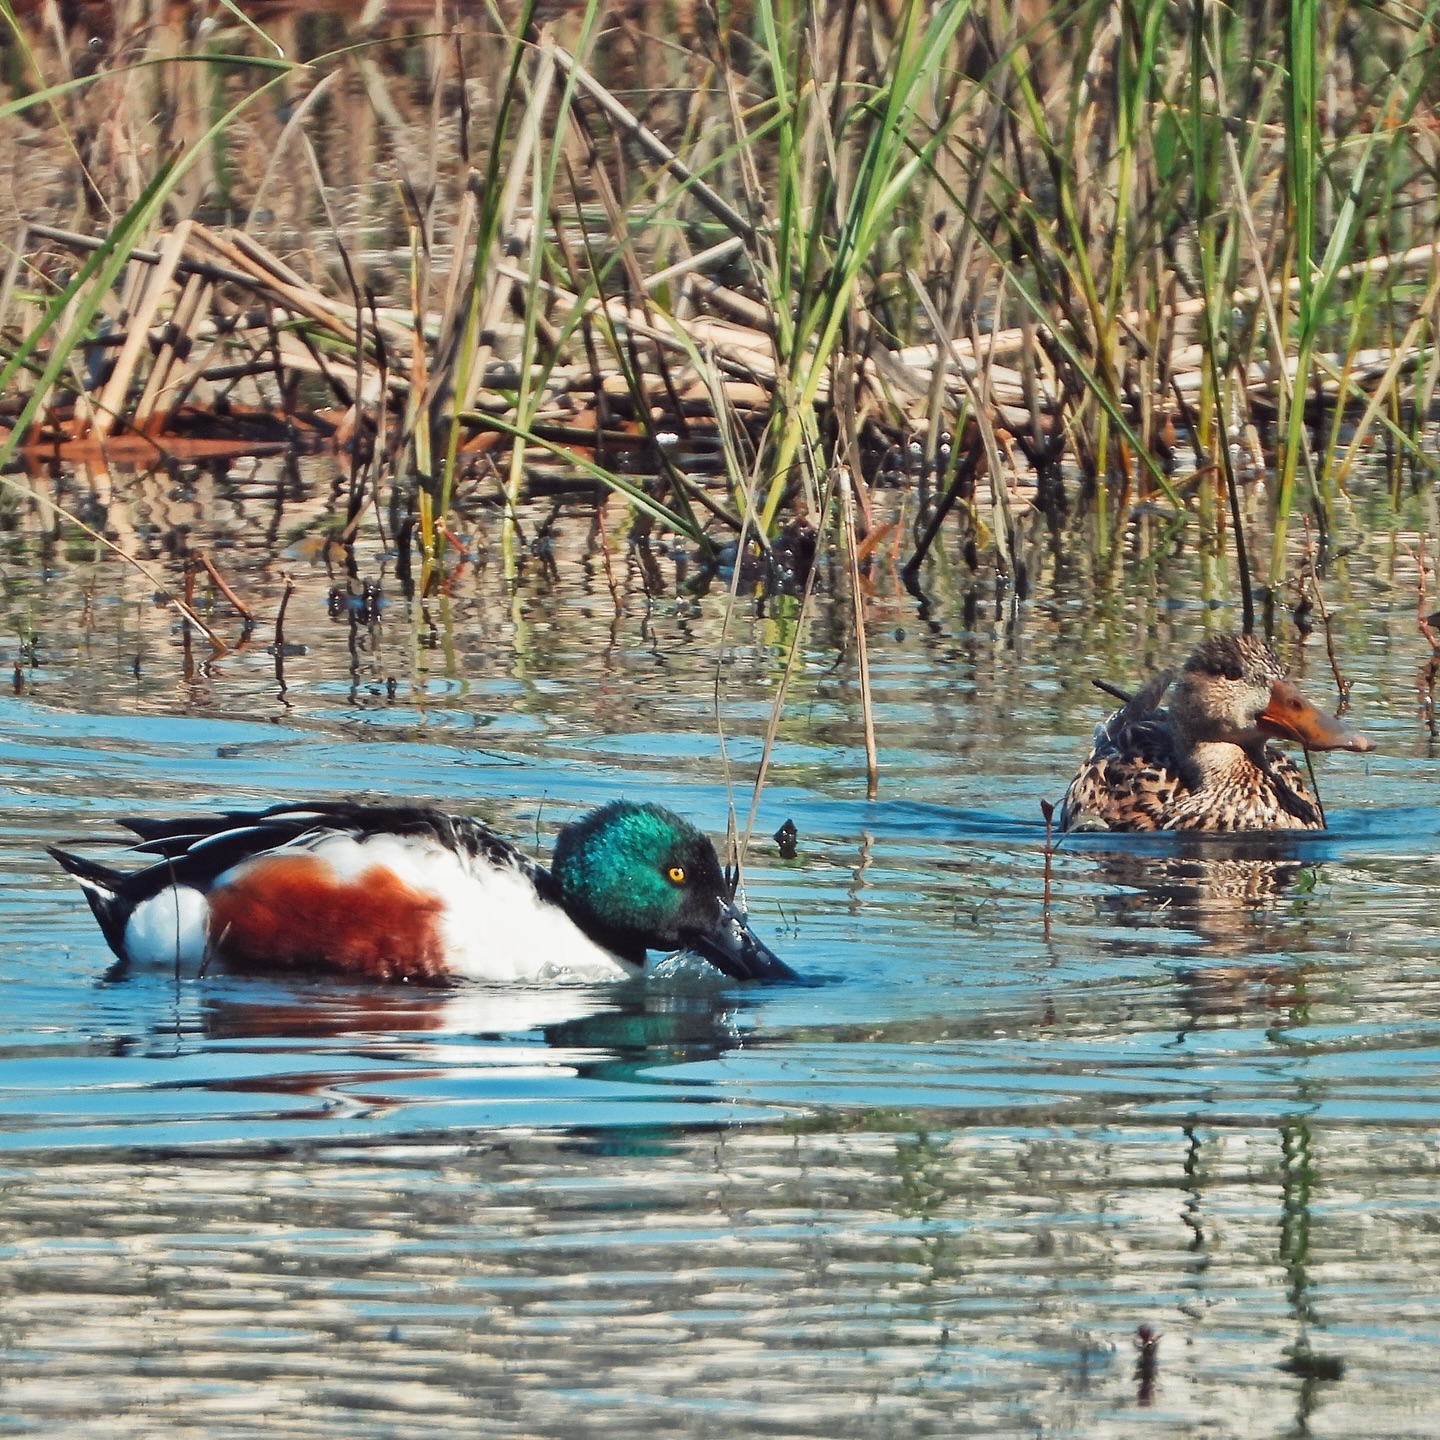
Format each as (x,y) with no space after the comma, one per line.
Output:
(1059,236)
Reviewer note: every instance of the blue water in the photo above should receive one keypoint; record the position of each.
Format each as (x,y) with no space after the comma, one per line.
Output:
(935,1193)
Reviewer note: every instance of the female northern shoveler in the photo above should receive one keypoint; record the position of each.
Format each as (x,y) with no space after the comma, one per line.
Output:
(400,893)
(1203,763)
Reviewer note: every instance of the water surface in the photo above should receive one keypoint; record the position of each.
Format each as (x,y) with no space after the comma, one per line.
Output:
(936,1194)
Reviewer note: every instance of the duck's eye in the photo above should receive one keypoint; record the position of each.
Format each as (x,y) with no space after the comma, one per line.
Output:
(676,874)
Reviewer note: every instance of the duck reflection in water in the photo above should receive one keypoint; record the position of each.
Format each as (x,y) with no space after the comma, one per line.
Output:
(1226,893)
(599,1031)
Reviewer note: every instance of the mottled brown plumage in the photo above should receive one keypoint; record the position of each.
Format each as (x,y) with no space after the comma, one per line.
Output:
(1204,762)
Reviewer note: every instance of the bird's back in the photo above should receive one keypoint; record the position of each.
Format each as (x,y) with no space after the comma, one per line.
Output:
(1131,778)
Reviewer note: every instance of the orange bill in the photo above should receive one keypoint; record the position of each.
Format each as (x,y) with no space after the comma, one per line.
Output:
(1290,716)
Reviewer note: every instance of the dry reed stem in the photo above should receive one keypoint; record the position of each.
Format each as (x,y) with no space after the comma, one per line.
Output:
(792,657)
(1422,620)
(202,558)
(509,231)
(656,148)
(110,403)
(862,649)
(193,297)
(1312,576)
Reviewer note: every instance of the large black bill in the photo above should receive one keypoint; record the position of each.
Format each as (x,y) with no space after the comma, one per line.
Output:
(731,948)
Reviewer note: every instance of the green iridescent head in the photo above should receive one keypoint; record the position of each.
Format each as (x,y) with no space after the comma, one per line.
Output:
(639,877)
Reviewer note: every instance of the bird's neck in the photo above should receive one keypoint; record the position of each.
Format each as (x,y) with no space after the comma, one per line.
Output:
(1212,764)
(620,941)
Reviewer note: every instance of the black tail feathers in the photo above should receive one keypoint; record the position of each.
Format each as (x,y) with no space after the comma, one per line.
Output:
(102,889)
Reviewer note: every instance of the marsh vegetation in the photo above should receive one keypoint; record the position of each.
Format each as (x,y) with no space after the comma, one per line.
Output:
(971,291)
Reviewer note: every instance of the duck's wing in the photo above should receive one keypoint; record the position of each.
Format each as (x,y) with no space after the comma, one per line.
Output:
(1140,709)
(1131,776)
(217,842)
(1291,791)
(193,852)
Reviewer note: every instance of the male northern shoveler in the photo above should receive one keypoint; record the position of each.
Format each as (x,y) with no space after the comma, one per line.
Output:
(1203,763)
(406,893)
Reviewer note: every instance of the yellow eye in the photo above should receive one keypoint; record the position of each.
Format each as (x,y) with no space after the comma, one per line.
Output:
(676,874)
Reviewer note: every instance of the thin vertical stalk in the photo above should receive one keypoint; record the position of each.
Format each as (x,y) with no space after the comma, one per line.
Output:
(486,232)
(862,652)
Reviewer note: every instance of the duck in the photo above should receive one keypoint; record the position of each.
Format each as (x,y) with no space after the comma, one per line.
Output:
(1205,762)
(409,894)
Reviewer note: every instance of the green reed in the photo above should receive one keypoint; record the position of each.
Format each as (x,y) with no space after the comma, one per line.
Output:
(68,319)
(1124,180)
(848,158)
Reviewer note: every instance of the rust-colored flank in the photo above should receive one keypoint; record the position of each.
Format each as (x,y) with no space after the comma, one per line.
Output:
(291,912)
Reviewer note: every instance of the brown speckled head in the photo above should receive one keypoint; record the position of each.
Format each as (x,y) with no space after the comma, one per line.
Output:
(1223,689)
(1233,690)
